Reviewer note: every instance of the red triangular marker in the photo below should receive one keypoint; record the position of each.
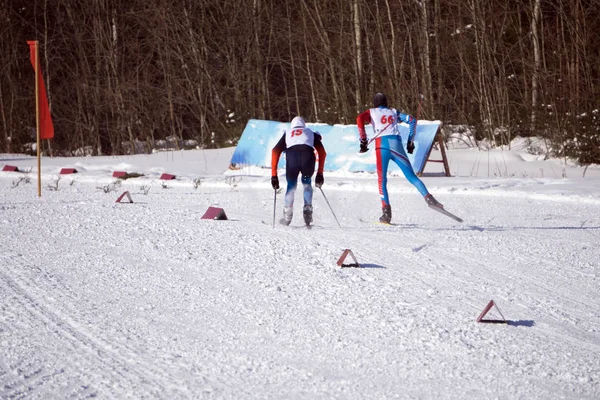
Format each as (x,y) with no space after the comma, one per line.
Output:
(345,254)
(491,321)
(119,174)
(215,213)
(123,195)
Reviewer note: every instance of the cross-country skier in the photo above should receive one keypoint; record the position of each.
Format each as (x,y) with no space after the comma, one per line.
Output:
(388,146)
(299,143)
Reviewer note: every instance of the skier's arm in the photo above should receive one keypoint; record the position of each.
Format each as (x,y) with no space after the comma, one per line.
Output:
(321,152)
(276,153)
(412,125)
(361,120)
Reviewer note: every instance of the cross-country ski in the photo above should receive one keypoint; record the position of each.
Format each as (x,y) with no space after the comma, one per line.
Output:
(445,212)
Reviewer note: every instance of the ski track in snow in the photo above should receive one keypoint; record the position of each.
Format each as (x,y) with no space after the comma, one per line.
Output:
(146,300)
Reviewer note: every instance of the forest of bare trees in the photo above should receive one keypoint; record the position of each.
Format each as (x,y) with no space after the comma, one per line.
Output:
(122,71)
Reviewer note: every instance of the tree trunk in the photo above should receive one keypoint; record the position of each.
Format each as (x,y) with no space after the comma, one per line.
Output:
(425,57)
(293,61)
(536,64)
(358,60)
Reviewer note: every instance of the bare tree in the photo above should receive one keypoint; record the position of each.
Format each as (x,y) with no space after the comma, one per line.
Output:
(123,72)
(535,77)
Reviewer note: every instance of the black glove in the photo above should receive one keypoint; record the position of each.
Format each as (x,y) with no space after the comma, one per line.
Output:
(363,145)
(410,147)
(319,180)
(275,182)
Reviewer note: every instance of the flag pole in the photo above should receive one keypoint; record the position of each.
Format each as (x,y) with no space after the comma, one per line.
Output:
(37,118)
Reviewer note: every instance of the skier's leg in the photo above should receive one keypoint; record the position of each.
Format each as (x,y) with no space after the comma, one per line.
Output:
(292,170)
(307,210)
(398,155)
(291,189)
(308,169)
(401,159)
(383,156)
(308,190)
(289,194)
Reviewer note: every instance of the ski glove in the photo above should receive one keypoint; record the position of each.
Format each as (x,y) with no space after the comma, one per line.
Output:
(319,180)
(275,182)
(410,147)
(363,145)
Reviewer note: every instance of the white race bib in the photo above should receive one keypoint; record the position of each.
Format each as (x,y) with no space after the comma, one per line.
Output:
(296,136)
(384,121)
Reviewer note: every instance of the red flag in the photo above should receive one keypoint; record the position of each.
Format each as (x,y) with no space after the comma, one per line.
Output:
(46,126)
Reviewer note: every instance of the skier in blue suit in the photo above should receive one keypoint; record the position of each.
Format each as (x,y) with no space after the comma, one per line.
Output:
(388,147)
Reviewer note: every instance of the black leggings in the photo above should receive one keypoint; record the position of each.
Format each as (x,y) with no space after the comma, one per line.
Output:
(301,160)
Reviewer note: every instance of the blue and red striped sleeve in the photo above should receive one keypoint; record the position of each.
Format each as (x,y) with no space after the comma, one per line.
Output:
(412,125)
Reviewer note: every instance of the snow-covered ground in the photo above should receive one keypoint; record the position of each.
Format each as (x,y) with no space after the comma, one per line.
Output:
(148,300)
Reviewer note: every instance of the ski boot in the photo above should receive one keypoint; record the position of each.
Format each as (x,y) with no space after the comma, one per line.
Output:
(288,213)
(386,218)
(432,202)
(307,213)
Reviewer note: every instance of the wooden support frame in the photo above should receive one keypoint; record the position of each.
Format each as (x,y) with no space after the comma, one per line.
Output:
(439,137)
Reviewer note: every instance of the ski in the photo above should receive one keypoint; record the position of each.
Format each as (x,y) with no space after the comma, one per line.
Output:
(378,222)
(290,226)
(446,213)
(309,227)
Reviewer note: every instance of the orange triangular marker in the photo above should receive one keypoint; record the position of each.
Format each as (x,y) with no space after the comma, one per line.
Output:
(123,195)
(491,321)
(345,254)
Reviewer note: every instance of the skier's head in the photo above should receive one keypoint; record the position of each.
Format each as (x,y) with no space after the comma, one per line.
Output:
(298,122)
(380,100)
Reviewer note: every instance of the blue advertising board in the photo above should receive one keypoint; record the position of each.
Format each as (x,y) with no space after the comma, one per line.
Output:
(340,141)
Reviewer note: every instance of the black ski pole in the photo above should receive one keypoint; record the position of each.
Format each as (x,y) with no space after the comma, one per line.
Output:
(421,97)
(274,206)
(325,197)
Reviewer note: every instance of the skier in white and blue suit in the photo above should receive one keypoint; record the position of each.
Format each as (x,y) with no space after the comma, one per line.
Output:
(388,147)
(299,144)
